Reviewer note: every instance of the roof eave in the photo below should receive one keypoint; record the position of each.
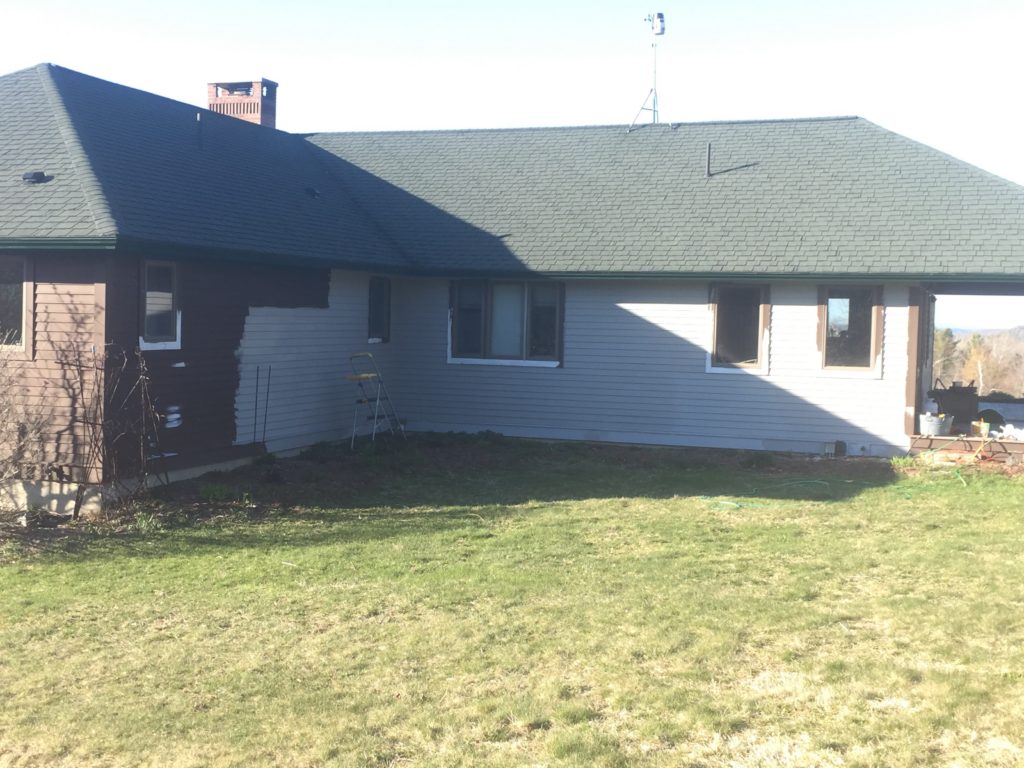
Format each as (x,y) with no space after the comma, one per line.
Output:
(906,277)
(183,252)
(57,243)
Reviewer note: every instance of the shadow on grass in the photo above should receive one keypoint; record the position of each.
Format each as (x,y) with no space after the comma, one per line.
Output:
(433,483)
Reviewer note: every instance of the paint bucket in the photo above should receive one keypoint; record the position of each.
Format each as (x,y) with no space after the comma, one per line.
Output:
(935,424)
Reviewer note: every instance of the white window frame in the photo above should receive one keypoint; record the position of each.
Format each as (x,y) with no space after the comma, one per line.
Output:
(523,362)
(168,344)
(762,367)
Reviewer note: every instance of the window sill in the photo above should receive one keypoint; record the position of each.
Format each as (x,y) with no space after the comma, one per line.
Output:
(757,370)
(500,361)
(850,373)
(17,352)
(154,346)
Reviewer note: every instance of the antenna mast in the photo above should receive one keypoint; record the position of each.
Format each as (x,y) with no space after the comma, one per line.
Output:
(657,22)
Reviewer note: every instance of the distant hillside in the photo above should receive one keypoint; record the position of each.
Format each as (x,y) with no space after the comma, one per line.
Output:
(963,333)
(993,360)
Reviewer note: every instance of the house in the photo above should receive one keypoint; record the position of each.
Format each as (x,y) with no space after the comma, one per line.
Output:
(760,285)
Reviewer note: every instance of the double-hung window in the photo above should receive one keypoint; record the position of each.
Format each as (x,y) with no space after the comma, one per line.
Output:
(506,320)
(740,323)
(161,318)
(12,302)
(850,326)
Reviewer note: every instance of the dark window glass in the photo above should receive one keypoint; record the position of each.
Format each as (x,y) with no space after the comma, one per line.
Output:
(12,302)
(543,320)
(468,322)
(380,309)
(159,311)
(849,322)
(737,325)
(519,320)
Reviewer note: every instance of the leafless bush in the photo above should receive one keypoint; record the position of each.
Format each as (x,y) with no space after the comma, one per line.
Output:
(102,433)
(22,423)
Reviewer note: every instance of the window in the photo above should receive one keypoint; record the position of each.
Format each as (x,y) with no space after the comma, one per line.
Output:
(506,320)
(12,302)
(160,315)
(380,310)
(851,323)
(741,317)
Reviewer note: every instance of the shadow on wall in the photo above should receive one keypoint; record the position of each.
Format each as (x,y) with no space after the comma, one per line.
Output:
(635,371)
(624,377)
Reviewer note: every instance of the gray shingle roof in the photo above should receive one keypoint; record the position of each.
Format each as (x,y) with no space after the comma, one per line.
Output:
(835,196)
(155,171)
(36,135)
(825,196)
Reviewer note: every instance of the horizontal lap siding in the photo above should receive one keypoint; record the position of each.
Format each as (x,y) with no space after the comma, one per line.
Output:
(304,353)
(61,384)
(635,369)
(866,410)
(203,378)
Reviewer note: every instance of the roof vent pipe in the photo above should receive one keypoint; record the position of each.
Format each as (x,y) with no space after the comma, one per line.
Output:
(707,164)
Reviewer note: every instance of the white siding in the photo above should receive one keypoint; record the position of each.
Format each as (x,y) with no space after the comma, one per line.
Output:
(635,357)
(304,354)
(635,371)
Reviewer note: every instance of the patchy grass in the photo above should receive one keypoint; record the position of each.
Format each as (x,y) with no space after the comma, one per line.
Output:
(476,601)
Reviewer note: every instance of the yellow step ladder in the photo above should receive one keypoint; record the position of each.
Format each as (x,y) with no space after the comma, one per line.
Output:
(372,394)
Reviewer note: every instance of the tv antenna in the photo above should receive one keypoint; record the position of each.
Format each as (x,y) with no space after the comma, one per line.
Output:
(657,22)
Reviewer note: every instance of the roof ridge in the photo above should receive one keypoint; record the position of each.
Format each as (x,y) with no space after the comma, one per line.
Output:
(605,127)
(95,200)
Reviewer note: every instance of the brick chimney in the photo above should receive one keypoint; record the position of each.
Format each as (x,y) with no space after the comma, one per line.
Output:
(254,102)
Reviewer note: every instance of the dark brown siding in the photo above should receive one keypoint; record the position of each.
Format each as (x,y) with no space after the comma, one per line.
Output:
(201,378)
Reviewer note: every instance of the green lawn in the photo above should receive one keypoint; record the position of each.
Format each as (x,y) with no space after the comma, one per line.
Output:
(480,602)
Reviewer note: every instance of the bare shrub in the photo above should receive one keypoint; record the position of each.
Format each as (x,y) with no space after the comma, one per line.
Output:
(22,424)
(102,435)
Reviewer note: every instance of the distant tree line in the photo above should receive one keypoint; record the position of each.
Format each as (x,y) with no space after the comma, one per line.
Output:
(993,361)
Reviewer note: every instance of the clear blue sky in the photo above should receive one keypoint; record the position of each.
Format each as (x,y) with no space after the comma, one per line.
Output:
(943,72)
